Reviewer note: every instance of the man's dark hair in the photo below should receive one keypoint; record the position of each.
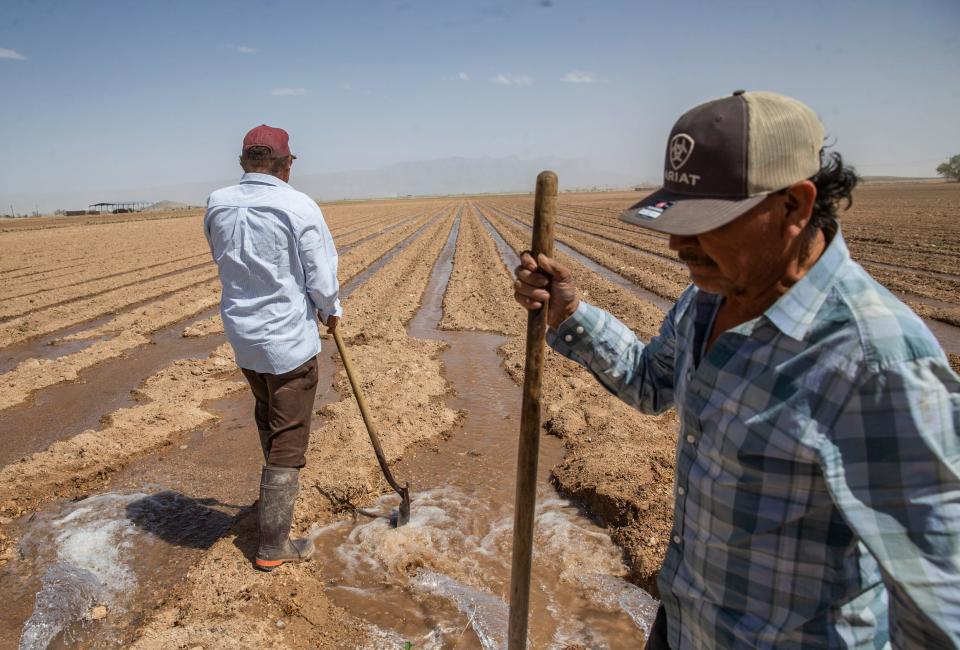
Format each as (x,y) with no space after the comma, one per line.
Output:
(262,160)
(835,183)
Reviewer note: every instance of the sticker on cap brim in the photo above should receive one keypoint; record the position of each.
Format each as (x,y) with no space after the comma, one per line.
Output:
(654,211)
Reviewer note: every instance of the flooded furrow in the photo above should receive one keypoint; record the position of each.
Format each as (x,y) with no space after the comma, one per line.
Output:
(441,581)
(602,271)
(20,329)
(946,334)
(95,294)
(660,257)
(358,280)
(102,278)
(162,512)
(66,409)
(50,346)
(64,341)
(347,247)
(910,269)
(509,256)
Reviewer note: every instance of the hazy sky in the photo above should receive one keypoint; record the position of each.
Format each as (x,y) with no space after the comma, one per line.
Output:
(131,94)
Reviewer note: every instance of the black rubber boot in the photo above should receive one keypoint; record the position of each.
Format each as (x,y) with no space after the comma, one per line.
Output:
(278,492)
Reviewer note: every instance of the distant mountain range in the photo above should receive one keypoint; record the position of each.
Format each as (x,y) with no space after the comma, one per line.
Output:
(419,178)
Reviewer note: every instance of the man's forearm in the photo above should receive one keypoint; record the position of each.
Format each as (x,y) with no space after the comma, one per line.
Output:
(615,356)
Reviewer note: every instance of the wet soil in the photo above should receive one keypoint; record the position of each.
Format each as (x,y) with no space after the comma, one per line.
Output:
(616,463)
(404,389)
(467,483)
(69,408)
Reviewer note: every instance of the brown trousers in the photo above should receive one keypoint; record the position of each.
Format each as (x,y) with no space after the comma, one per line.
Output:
(283,409)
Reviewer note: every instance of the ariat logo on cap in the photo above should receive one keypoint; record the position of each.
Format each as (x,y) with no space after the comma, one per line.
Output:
(748,145)
(681,146)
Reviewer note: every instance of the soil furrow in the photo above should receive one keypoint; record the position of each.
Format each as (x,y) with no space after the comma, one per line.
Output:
(102,278)
(666,281)
(620,233)
(617,461)
(357,261)
(52,319)
(132,328)
(476,269)
(404,387)
(173,404)
(17,309)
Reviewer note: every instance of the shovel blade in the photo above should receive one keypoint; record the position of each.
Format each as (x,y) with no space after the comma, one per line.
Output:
(403,513)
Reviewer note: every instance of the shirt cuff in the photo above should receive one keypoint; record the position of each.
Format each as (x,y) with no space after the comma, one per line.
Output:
(576,330)
(337,310)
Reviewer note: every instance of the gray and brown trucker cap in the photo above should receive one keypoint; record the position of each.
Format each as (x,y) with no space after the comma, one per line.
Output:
(725,156)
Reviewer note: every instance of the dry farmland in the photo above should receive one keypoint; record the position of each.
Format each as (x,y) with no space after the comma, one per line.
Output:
(125,422)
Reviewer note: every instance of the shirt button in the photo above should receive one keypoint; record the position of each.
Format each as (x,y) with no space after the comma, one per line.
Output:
(691,439)
(680,490)
(579,329)
(676,539)
(568,338)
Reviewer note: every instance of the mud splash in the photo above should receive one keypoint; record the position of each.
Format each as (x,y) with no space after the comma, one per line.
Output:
(87,551)
(150,526)
(442,580)
(217,465)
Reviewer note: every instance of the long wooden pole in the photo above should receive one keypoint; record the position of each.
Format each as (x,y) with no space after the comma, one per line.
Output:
(403,516)
(544,211)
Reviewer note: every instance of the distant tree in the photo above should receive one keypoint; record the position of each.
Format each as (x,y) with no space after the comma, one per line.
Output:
(951,168)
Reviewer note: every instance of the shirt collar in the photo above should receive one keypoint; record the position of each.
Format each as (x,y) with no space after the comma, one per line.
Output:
(794,311)
(253,178)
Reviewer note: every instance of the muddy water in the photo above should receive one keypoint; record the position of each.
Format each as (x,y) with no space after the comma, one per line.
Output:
(442,580)
(128,547)
(64,410)
(163,511)
(50,346)
(364,275)
(95,552)
(604,272)
(341,250)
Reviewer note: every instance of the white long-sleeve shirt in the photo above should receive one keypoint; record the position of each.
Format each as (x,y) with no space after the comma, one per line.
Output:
(278,267)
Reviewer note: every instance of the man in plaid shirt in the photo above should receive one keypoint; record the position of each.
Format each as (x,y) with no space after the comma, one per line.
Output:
(817,494)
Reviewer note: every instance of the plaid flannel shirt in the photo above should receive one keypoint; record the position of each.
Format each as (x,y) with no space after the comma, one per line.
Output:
(817,493)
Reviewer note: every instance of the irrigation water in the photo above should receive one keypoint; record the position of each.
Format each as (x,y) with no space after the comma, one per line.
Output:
(89,556)
(443,580)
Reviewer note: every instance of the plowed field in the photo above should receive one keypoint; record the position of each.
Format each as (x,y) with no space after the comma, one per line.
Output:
(115,380)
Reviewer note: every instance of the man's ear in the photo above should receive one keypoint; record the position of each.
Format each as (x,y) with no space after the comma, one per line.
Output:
(801,197)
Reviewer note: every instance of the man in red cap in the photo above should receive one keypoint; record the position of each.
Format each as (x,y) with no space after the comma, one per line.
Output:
(817,482)
(278,269)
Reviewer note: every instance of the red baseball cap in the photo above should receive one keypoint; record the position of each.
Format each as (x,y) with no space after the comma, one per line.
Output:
(276,140)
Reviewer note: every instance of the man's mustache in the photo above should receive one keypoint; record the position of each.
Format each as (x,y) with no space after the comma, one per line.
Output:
(693,258)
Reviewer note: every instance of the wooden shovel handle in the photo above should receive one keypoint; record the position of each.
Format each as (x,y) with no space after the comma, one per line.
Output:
(367,420)
(544,212)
